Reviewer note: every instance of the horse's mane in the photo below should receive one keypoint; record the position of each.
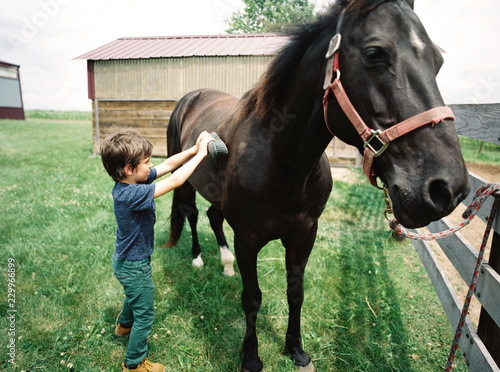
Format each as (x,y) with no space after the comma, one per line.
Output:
(263,97)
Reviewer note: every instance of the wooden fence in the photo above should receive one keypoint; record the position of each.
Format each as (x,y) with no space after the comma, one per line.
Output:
(481,348)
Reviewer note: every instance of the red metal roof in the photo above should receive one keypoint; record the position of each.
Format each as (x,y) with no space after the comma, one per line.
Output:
(7,64)
(188,46)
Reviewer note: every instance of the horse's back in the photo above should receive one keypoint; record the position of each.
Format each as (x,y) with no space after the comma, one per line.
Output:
(201,110)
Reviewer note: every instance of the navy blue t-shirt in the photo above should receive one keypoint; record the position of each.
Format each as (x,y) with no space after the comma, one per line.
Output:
(135,216)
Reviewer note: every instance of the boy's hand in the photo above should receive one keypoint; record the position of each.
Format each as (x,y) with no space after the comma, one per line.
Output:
(181,175)
(202,143)
(200,137)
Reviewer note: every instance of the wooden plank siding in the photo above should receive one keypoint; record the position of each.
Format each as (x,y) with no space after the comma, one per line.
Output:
(148,117)
(142,93)
(132,93)
(151,118)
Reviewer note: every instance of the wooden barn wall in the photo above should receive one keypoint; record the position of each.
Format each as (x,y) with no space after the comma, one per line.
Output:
(152,117)
(148,117)
(142,93)
(171,78)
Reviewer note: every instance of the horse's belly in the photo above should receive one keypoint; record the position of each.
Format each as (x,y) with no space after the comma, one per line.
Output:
(206,180)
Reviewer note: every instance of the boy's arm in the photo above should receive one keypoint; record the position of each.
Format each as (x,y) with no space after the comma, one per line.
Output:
(175,161)
(182,174)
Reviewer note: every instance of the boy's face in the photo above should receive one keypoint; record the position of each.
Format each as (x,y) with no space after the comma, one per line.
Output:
(141,172)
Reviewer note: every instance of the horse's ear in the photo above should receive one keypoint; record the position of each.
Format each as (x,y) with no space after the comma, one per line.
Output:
(411,3)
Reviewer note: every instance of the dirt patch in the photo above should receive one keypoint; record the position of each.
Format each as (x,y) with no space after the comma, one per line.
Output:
(490,173)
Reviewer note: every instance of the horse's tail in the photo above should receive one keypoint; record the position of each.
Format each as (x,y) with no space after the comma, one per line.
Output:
(176,220)
(174,147)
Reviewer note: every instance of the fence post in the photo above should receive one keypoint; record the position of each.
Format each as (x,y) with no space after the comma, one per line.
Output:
(487,330)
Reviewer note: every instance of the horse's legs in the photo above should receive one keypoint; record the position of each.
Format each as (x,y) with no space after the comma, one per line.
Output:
(297,253)
(189,210)
(251,299)
(227,259)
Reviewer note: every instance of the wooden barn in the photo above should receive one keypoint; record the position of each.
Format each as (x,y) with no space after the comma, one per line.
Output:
(136,82)
(11,98)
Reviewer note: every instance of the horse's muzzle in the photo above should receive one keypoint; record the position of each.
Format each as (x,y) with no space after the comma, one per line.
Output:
(416,207)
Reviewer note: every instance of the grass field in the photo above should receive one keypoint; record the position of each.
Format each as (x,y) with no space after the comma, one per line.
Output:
(58,115)
(369,304)
(480,152)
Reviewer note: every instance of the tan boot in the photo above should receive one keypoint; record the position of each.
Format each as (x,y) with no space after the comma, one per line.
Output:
(121,331)
(145,366)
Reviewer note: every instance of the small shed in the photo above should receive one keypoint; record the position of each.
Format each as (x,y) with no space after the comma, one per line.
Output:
(137,81)
(11,98)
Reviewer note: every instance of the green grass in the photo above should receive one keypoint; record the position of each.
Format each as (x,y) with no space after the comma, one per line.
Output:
(58,115)
(369,305)
(480,152)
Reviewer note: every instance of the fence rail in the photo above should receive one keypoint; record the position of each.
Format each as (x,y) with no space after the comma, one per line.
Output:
(481,348)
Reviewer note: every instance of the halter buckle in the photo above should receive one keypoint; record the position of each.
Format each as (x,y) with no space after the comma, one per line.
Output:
(368,143)
(334,46)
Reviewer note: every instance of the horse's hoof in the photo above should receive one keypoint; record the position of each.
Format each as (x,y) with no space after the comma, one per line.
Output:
(308,368)
(227,260)
(253,365)
(228,270)
(197,262)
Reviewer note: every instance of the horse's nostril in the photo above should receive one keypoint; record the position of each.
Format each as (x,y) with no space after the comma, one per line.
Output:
(440,195)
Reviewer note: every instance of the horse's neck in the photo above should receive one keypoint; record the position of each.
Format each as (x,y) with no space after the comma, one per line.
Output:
(301,136)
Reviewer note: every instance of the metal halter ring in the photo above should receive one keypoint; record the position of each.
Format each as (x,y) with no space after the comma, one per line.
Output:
(375,135)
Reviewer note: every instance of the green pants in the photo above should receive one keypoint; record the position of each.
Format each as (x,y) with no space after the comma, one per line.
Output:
(138,308)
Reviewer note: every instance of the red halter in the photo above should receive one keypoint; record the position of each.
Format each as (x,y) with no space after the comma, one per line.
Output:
(375,141)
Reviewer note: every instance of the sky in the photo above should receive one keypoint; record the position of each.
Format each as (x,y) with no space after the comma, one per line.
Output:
(44,37)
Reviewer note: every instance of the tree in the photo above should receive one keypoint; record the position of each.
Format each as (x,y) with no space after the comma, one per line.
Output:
(269,15)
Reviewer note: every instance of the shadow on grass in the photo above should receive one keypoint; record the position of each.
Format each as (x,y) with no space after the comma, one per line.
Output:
(198,311)
(202,310)
(352,318)
(372,335)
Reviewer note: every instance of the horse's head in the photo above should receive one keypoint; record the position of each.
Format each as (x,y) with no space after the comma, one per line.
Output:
(388,68)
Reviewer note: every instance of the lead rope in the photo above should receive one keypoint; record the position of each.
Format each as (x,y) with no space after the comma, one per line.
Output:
(481,195)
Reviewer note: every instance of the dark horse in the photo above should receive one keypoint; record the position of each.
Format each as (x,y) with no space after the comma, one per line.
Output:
(275,181)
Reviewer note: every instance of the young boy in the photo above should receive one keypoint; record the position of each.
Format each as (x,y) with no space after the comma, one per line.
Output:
(126,156)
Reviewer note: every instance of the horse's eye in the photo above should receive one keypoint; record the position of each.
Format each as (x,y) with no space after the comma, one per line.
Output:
(375,55)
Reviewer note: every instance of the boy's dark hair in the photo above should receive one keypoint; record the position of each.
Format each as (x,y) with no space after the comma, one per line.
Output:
(124,147)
